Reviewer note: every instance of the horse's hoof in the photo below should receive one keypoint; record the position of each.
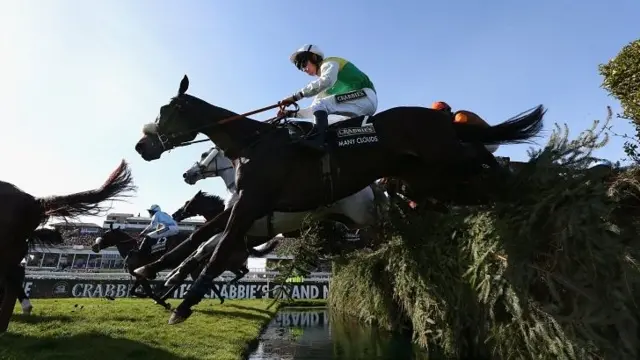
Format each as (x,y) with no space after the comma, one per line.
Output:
(177,318)
(221,301)
(27,310)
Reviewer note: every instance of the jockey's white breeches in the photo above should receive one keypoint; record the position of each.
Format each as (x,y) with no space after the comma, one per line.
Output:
(164,231)
(363,106)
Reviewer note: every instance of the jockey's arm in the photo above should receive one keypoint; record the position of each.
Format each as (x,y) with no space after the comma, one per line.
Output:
(328,77)
(152,224)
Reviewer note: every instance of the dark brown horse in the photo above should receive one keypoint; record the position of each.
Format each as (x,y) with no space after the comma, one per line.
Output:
(127,246)
(21,213)
(204,204)
(42,236)
(420,145)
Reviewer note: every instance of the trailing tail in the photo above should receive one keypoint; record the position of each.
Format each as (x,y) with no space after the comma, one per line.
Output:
(271,245)
(519,129)
(87,203)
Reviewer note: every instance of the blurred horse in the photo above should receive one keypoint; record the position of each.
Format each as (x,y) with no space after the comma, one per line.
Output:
(21,213)
(204,204)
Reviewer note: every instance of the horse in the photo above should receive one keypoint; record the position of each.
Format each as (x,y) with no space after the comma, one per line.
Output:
(201,204)
(127,246)
(420,145)
(356,211)
(21,214)
(39,236)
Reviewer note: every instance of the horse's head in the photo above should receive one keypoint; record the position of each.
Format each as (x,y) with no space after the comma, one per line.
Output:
(202,204)
(185,116)
(112,237)
(212,163)
(178,122)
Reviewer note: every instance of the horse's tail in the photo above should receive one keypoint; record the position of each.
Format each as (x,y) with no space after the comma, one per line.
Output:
(271,245)
(518,129)
(87,203)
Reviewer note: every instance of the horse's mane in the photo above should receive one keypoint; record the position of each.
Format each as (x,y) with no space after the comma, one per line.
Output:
(215,198)
(200,102)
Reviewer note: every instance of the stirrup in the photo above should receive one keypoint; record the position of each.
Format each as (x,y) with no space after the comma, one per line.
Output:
(313,144)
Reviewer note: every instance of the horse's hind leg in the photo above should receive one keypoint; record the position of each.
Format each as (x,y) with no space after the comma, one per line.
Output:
(25,303)
(240,273)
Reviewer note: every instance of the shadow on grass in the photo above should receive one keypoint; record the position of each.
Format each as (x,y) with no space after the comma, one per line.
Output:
(36,319)
(232,314)
(92,346)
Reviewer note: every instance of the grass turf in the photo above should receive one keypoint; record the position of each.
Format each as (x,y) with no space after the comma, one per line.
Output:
(96,329)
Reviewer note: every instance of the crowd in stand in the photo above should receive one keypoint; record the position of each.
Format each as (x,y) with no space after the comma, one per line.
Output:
(75,237)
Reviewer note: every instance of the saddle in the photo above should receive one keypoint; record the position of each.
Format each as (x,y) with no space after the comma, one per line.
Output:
(354,132)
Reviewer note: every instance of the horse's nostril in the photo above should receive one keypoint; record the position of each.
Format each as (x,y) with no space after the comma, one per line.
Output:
(184,176)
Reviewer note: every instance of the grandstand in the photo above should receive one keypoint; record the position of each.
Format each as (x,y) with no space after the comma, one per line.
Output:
(75,256)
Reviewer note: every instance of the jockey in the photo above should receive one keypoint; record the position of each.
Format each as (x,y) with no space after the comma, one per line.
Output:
(341,89)
(162,224)
(464,117)
(460,116)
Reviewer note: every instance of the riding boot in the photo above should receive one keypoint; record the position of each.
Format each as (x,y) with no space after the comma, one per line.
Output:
(317,141)
(145,245)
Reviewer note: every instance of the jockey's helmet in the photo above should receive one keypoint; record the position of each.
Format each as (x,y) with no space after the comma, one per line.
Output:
(441,105)
(307,52)
(154,208)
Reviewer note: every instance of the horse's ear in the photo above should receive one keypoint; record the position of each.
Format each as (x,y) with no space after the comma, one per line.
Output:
(184,85)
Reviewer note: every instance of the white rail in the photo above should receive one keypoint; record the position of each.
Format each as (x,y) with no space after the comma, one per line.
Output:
(227,275)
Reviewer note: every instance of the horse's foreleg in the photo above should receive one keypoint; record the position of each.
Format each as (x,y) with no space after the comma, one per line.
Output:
(173,258)
(247,209)
(179,274)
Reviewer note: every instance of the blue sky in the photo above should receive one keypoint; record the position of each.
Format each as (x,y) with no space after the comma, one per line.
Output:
(80,78)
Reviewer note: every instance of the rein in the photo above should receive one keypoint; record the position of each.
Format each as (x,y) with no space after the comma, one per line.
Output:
(272,120)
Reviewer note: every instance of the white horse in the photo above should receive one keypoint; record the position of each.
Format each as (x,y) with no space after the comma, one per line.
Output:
(355,212)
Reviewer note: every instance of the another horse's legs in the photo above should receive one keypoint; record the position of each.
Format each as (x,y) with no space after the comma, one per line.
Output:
(248,208)
(174,257)
(6,307)
(217,292)
(132,291)
(9,299)
(240,273)
(193,262)
(25,303)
